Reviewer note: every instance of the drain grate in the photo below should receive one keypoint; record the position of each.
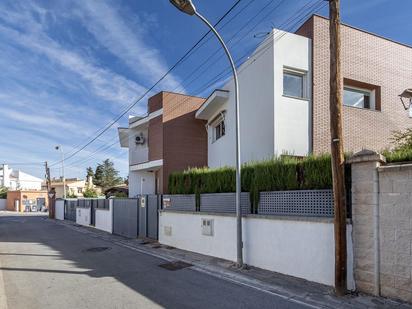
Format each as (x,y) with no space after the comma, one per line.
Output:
(97,249)
(176,265)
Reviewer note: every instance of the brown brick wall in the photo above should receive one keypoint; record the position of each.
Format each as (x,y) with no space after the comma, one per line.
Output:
(365,58)
(155,103)
(184,136)
(155,138)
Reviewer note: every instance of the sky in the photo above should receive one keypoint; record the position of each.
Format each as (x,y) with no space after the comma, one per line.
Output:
(68,68)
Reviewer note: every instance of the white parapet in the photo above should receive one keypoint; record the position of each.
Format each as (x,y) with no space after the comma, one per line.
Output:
(299,247)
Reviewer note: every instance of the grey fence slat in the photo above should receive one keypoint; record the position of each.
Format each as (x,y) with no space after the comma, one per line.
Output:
(181,202)
(125,217)
(313,203)
(153,205)
(224,202)
(70,210)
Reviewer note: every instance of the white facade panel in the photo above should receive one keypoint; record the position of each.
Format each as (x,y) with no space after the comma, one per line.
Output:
(83,216)
(59,210)
(271,124)
(303,249)
(104,218)
(141,182)
(292,116)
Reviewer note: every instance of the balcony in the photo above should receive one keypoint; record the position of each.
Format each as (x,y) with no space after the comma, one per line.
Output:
(138,155)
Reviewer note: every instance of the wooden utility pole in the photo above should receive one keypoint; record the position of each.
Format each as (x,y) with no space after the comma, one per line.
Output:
(338,159)
(48,183)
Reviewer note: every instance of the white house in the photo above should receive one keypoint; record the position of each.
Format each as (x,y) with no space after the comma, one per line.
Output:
(18,180)
(275,103)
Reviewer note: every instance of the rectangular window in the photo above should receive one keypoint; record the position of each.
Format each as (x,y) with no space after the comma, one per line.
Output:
(358,98)
(219,130)
(294,84)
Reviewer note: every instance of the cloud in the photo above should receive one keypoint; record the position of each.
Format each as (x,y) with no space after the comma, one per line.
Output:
(112,31)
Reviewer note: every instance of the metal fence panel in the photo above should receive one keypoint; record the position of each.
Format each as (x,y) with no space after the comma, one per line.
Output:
(125,217)
(224,202)
(180,202)
(153,206)
(313,203)
(70,210)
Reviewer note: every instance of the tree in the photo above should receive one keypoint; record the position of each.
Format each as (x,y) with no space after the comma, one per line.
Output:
(106,175)
(3,192)
(402,140)
(89,172)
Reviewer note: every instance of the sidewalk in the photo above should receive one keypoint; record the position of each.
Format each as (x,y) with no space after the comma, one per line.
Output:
(298,290)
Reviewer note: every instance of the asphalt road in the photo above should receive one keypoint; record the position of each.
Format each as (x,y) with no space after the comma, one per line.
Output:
(46,265)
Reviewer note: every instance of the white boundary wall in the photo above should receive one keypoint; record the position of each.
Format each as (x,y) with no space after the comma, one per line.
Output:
(3,204)
(83,216)
(59,208)
(104,218)
(298,247)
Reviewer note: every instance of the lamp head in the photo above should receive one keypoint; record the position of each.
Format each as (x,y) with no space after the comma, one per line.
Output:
(57,147)
(186,6)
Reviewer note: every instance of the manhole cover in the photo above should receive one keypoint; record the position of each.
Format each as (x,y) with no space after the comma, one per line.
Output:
(97,249)
(176,265)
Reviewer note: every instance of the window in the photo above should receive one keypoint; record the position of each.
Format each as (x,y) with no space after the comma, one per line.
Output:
(219,130)
(360,98)
(79,190)
(294,84)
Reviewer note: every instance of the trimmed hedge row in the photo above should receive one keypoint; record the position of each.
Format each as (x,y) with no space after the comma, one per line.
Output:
(401,155)
(279,174)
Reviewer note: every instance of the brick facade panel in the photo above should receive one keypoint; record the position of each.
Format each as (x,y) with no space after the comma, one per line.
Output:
(365,58)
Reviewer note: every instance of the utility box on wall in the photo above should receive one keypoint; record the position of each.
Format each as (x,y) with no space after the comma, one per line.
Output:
(207,227)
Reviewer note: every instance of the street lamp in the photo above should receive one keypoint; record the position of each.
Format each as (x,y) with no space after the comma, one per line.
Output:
(64,181)
(188,7)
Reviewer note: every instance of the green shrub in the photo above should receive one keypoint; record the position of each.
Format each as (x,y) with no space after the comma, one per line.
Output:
(317,172)
(401,155)
(284,173)
(90,193)
(3,192)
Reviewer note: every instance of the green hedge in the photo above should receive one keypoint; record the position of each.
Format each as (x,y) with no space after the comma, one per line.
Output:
(285,173)
(401,155)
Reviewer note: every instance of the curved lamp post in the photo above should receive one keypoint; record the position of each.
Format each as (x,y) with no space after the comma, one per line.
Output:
(188,7)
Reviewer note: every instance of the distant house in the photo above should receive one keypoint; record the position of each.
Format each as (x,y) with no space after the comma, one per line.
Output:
(17,180)
(74,186)
(284,95)
(168,139)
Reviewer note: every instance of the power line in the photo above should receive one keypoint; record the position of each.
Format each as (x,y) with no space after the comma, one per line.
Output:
(151,88)
(314,7)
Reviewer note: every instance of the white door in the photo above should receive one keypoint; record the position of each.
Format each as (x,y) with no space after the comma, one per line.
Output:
(16,205)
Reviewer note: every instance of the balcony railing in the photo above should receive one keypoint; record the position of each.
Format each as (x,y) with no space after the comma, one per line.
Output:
(139,155)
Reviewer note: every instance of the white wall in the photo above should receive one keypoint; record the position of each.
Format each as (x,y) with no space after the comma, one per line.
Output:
(59,210)
(141,181)
(271,124)
(256,114)
(3,204)
(83,216)
(138,153)
(104,218)
(292,116)
(303,249)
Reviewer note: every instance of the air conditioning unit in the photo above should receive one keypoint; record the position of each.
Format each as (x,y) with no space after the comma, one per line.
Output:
(140,140)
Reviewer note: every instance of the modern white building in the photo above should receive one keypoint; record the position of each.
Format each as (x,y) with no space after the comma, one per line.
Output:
(18,180)
(275,103)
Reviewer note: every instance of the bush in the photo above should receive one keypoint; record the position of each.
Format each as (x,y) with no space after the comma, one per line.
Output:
(90,193)
(3,192)
(401,155)
(284,173)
